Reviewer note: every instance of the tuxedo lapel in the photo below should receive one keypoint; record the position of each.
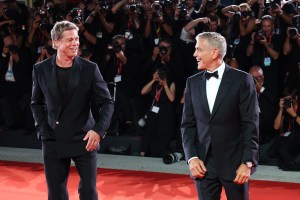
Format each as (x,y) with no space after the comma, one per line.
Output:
(225,84)
(203,96)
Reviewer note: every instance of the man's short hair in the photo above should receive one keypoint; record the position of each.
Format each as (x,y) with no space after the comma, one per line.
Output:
(267,18)
(214,40)
(59,28)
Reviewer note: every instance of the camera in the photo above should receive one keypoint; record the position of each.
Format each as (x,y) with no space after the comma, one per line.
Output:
(142,121)
(50,10)
(211,3)
(259,36)
(77,20)
(246,13)
(156,7)
(43,25)
(162,73)
(293,32)
(182,10)
(50,50)
(75,13)
(296,25)
(9,13)
(274,4)
(287,103)
(172,157)
(163,50)
(115,47)
(85,52)
(13,48)
(103,6)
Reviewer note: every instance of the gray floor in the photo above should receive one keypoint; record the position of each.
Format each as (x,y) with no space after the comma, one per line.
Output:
(144,164)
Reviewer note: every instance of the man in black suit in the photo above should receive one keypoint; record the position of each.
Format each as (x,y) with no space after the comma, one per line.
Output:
(219,123)
(62,89)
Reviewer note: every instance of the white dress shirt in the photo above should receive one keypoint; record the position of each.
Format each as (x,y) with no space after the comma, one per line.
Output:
(212,86)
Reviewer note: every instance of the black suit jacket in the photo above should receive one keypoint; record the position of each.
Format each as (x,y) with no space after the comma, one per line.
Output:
(66,119)
(232,127)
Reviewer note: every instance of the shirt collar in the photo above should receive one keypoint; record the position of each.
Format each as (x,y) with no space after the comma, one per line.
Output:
(220,70)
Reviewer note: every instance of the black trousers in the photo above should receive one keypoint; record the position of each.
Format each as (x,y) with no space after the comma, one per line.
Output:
(210,186)
(57,172)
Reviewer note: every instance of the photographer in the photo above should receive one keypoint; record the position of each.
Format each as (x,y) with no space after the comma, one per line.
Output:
(15,80)
(157,24)
(286,147)
(102,23)
(160,124)
(242,25)
(47,52)
(123,70)
(267,100)
(265,48)
(164,54)
(39,34)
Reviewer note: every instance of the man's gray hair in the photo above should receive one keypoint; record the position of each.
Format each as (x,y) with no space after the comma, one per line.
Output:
(59,28)
(214,40)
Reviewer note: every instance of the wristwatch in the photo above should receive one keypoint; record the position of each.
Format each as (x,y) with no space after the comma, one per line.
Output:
(249,164)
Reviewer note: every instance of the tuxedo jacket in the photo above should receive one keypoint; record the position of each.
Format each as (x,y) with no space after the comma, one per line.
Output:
(232,127)
(67,118)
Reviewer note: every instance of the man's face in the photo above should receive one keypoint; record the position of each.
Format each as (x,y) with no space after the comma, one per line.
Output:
(267,27)
(213,26)
(68,44)
(257,75)
(203,54)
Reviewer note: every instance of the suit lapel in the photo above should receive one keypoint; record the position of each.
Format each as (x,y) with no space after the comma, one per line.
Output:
(72,85)
(53,83)
(222,91)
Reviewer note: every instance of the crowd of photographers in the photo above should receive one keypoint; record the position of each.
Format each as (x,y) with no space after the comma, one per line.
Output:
(144,50)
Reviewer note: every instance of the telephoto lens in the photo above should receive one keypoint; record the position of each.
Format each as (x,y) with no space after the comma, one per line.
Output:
(172,157)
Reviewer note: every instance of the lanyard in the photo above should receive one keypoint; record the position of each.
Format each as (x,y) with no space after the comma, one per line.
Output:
(120,66)
(157,93)
(269,42)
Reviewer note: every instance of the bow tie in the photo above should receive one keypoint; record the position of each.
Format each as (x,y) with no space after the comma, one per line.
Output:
(208,75)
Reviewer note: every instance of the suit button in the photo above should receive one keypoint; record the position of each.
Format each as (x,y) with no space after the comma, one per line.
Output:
(57,122)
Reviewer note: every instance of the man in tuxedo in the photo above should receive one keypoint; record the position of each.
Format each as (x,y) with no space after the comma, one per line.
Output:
(219,123)
(62,90)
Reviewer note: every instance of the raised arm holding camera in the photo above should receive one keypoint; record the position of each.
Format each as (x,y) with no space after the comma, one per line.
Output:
(286,147)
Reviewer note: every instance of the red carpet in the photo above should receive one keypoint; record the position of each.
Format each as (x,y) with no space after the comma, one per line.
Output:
(26,181)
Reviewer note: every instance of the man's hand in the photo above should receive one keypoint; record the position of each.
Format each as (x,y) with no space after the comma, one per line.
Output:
(93,139)
(242,174)
(197,168)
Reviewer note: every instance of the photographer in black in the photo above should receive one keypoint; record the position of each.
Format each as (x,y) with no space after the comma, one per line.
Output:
(291,49)
(160,123)
(265,48)
(156,25)
(39,34)
(15,81)
(242,25)
(286,147)
(124,71)
(100,23)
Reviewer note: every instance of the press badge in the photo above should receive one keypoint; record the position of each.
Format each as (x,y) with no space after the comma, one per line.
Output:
(236,41)
(118,78)
(155,109)
(286,134)
(267,61)
(99,34)
(39,50)
(128,35)
(156,41)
